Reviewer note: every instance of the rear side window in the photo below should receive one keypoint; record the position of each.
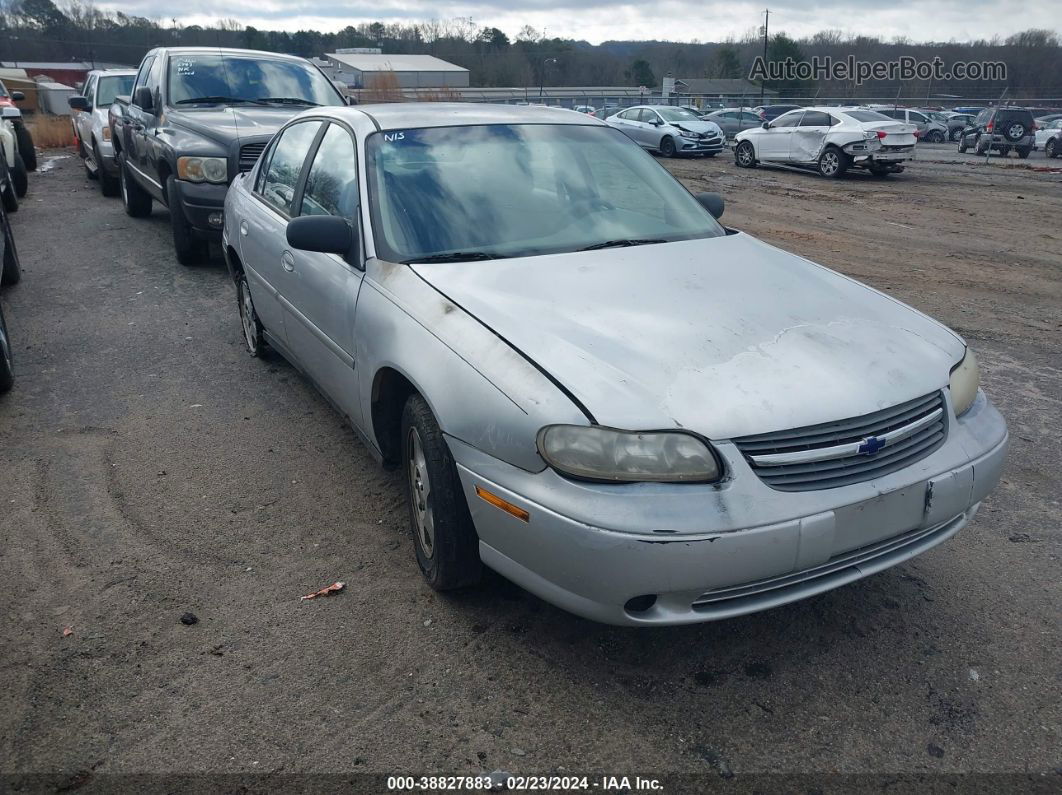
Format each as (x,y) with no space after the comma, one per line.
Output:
(791,119)
(285,165)
(815,118)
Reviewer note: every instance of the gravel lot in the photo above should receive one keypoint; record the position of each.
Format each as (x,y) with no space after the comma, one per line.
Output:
(150,468)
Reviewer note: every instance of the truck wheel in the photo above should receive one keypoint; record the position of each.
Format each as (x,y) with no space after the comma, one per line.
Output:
(19,177)
(445,539)
(108,184)
(7,195)
(745,155)
(136,200)
(7,372)
(1023,151)
(832,162)
(26,147)
(191,250)
(12,267)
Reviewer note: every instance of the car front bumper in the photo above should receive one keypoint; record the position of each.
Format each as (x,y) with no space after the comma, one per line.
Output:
(695,146)
(203,204)
(708,552)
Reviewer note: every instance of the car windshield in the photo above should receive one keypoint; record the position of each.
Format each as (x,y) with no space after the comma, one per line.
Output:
(111,87)
(490,191)
(867,115)
(677,114)
(213,78)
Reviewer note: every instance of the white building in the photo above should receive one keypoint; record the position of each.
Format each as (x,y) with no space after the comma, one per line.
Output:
(357,70)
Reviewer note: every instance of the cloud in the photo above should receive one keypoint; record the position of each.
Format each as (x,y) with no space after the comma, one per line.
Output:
(599,20)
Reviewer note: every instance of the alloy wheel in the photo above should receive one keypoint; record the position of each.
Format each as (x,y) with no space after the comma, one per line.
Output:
(829,163)
(247,317)
(420,493)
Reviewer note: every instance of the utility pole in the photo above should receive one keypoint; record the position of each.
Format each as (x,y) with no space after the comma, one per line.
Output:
(766,21)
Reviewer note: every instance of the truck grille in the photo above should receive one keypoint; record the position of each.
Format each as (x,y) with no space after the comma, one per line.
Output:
(837,454)
(249,154)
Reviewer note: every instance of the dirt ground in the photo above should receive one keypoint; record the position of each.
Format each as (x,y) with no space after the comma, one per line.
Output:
(149,468)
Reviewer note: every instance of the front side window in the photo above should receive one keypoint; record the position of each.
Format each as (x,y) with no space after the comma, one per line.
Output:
(90,88)
(332,184)
(285,166)
(213,78)
(111,87)
(145,68)
(490,191)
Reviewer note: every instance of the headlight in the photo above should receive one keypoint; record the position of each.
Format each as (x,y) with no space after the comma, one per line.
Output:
(965,380)
(203,169)
(596,453)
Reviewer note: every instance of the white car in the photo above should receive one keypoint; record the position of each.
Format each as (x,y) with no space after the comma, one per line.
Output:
(14,181)
(1049,138)
(831,140)
(91,128)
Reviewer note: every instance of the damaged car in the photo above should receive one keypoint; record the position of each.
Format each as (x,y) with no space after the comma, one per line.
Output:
(830,140)
(669,130)
(588,383)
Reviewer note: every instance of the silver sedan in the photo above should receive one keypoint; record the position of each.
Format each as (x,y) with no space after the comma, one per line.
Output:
(591,386)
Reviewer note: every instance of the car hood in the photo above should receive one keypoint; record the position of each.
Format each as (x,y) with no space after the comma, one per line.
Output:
(227,124)
(726,336)
(697,126)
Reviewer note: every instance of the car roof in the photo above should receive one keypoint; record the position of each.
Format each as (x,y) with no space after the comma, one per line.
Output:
(405,115)
(229,51)
(112,72)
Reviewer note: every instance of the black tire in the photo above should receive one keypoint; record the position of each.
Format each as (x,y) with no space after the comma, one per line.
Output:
(1014,131)
(8,197)
(1023,151)
(7,370)
(935,137)
(981,147)
(136,200)
(11,271)
(745,155)
(26,147)
(109,185)
(253,338)
(962,144)
(448,553)
(190,249)
(832,162)
(667,146)
(955,134)
(19,177)
(880,171)
(1051,148)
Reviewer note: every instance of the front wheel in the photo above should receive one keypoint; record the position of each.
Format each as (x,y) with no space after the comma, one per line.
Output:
(955,135)
(745,155)
(19,177)
(962,144)
(7,370)
(136,200)
(7,194)
(667,147)
(1051,148)
(935,137)
(446,544)
(26,147)
(832,163)
(191,250)
(11,272)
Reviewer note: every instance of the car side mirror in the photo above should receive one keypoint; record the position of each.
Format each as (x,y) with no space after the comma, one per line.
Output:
(766,125)
(144,98)
(17,96)
(713,203)
(328,234)
(79,103)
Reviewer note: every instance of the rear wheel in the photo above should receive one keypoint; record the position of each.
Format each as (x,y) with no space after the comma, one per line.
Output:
(446,543)
(136,200)
(7,371)
(745,155)
(832,162)
(880,171)
(667,146)
(955,134)
(11,272)
(191,250)
(1023,151)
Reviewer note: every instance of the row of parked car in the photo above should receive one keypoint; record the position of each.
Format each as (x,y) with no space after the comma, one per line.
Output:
(467,285)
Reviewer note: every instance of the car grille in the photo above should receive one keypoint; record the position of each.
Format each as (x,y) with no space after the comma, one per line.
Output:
(249,154)
(837,454)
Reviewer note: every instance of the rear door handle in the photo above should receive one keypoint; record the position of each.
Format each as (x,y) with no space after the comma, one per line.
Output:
(287,261)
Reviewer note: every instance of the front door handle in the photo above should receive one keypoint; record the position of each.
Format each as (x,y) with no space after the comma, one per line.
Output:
(288,261)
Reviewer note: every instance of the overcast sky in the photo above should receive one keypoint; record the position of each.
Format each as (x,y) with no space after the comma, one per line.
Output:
(598,20)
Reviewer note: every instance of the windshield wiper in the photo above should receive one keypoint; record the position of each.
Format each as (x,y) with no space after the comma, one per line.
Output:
(289,101)
(453,256)
(622,243)
(217,101)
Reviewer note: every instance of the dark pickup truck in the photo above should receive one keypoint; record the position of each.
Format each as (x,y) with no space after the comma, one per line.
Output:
(197,117)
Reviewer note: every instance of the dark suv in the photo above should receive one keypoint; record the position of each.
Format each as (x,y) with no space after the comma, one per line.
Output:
(1001,129)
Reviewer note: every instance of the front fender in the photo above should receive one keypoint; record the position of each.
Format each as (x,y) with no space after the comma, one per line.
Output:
(480,389)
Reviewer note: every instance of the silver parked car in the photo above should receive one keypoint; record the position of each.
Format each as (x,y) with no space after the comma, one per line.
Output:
(733,120)
(92,129)
(669,130)
(591,386)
